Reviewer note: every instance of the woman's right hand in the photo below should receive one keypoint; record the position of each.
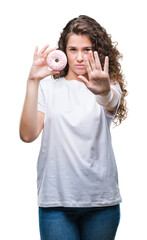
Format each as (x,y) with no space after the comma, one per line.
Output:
(39,69)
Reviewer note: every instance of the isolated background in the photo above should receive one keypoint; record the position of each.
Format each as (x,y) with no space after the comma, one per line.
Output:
(25,24)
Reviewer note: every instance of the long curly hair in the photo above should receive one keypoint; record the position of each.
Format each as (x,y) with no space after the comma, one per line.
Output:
(102,43)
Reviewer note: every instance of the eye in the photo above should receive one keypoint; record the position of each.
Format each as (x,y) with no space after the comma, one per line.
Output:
(87,50)
(72,49)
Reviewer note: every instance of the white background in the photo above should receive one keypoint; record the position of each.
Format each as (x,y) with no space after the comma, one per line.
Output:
(25,24)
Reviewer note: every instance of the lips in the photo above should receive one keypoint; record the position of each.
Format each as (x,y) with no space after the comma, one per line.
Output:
(80,65)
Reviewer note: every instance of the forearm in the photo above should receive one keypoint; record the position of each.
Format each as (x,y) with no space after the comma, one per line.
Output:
(28,123)
(109,101)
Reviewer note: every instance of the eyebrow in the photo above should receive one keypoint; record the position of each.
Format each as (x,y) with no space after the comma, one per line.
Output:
(90,47)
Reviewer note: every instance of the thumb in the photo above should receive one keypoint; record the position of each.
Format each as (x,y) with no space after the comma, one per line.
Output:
(82,79)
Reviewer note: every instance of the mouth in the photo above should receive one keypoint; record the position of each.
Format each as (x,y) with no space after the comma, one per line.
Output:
(80,65)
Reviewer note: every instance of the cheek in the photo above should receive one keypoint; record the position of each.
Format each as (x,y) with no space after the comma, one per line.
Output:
(87,56)
(70,58)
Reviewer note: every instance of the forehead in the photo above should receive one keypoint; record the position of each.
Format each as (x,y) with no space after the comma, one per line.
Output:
(79,40)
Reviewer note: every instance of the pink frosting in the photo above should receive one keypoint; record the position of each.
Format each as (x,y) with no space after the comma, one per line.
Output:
(57,60)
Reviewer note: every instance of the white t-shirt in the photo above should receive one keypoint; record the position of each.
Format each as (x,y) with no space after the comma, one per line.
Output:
(76,165)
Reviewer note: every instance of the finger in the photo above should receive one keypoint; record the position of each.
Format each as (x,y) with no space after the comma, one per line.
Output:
(43,49)
(92,61)
(53,72)
(36,52)
(87,64)
(97,61)
(82,79)
(48,51)
(106,65)
(40,61)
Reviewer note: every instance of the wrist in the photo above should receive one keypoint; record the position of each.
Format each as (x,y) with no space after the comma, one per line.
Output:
(104,99)
(32,84)
(33,80)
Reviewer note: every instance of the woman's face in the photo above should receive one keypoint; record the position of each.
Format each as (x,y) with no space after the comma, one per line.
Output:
(77,47)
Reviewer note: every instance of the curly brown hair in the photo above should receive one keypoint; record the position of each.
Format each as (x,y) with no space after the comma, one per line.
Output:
(102,43)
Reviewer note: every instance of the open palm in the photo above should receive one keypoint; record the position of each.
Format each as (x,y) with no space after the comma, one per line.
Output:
(98,80)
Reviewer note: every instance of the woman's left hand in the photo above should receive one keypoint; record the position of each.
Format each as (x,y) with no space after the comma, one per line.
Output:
(98,81)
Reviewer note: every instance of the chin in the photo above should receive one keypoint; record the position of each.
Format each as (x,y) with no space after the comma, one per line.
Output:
(81,72)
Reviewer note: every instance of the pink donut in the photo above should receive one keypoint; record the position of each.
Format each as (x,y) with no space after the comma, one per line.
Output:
(56,60)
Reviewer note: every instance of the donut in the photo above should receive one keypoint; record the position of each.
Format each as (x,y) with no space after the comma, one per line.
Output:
(56,60)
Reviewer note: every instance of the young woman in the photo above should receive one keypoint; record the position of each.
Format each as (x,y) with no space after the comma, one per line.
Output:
(78,192)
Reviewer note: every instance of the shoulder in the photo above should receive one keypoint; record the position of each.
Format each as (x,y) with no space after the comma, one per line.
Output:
(48,85)
(46,81)
(49,81)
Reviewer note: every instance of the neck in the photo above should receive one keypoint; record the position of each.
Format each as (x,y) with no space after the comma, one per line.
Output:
(73,76)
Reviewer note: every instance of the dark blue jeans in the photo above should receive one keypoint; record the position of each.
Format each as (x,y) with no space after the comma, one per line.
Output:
(70,223)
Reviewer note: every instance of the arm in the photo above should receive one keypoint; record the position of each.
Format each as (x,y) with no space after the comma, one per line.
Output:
(98,82)
(32,120)
(109,100)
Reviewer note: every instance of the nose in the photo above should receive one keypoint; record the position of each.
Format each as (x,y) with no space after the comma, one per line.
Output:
(80,56)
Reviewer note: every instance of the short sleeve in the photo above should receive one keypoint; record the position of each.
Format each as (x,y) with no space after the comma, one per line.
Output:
(41,99)
(117,88)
